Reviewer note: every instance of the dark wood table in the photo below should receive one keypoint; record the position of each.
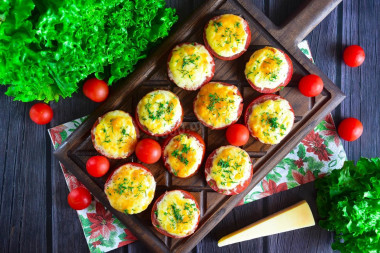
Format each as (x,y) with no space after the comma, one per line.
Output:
(34,213)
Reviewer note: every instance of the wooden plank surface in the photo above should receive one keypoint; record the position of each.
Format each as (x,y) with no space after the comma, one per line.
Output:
(33,210)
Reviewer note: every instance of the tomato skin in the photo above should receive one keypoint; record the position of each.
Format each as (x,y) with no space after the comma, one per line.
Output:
(233,57)
(97,166)
(95,89)
(354,56)
(237,134)
(350,129)
(155,222)
(169,138)
(310,85)
(79,198)
(148,151)
(41,113)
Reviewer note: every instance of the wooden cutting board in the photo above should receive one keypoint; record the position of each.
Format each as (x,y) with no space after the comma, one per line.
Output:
(151,74)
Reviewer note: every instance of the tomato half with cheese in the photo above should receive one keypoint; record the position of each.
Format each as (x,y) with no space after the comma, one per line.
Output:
(218,105)
(268,70)
(269,118)
(190,65)
(228,170)
(227,36)
(159,113)
(183,153)
(130,188)
(176,214)
(115,135)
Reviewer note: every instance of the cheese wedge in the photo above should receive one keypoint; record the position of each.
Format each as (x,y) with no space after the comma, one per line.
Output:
(292,218)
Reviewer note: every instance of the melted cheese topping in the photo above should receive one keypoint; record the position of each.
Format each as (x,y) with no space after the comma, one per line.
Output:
(271,120)
(227,35)
(217,104)
(267,68)
(115,135)
(190,66)
(176,214)
(130,189)
(184,154)
(231,166)
(159,111)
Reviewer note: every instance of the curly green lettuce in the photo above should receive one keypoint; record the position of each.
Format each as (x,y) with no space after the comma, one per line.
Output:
(48,46)
(349,203)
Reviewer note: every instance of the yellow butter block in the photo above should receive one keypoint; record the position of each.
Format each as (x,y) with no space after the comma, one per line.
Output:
(292,218)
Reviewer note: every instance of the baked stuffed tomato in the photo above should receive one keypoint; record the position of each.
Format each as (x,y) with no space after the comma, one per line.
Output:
(183,153)
(130,188)
(159,113)
(227,36)
(218,105)
(175,214)
(268,70)
(115,135)
(228,170)
(269,118)
(190,65)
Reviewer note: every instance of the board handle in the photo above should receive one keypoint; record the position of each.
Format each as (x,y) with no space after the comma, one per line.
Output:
(308,17)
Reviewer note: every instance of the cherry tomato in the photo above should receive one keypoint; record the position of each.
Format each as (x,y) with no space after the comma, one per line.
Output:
(41,113)
(237,134)
(97,166)
(95,89)
(354,56)
(350,129)
(79,198)
(148,151)
(310,85)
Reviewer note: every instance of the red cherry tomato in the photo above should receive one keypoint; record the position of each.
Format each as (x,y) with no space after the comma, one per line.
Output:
(310,85)
(237,134)
(79,198)
(41,113)
(148,151)
(97,166)
(350,129)
(354,56)
(95,89)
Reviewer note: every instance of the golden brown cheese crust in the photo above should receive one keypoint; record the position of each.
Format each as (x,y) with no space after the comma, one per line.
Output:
(267,68)
(115,136)
(231,167)
(184,154)
(176,214)
(226,35)
(190,65)
(271,120)
(159,111)
(130,189)
(217,104)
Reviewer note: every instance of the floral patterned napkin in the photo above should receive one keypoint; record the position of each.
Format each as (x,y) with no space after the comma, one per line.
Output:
(317,154)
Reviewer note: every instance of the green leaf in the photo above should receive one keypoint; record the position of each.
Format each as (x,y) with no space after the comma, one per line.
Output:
(48,47)
(313,164)
(274,177)
(87,231)
(63,135)
(301,151)
(85,222)
(118,223)
(321,126)
(348,202)
(292,184)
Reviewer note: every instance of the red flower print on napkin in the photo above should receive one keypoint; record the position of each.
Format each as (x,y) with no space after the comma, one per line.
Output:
(299,163)
(129,238)
(55,134)
(101,222)
(331,131)
(94,244)
(270,187)
(314,144)
(303,179)
(71,180)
